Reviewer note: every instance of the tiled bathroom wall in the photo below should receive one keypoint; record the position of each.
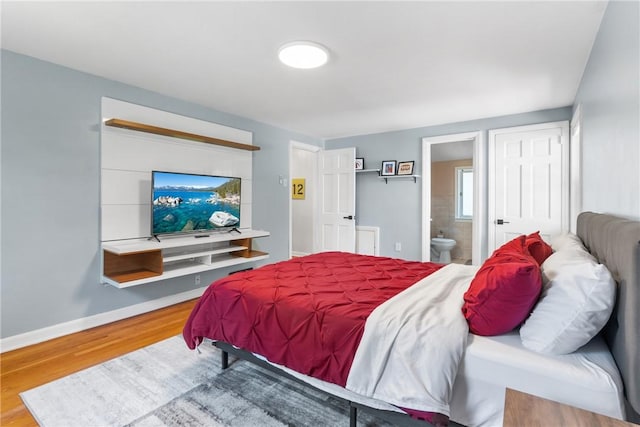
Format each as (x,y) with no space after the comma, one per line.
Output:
(443,188)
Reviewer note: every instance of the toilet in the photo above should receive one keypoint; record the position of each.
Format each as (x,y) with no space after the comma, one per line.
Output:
(441,249)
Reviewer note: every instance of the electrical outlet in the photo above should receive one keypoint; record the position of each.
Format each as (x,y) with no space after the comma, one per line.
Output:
(398,247)
(197,279)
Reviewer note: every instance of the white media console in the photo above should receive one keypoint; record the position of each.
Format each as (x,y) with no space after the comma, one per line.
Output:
(135,262)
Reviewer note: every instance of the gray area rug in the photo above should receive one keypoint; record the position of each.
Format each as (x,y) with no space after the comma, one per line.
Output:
(166,384)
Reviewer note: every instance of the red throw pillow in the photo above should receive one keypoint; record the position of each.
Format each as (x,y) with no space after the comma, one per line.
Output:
(503,291)
(538,248)
(516,246)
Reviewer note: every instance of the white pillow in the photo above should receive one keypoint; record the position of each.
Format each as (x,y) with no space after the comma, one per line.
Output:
(566,242)
(577,299)
(568,250)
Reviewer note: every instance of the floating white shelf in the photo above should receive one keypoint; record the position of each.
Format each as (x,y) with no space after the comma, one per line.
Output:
(385,177)
(208,253)
(135,262)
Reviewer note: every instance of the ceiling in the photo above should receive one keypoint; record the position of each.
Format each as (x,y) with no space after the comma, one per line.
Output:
(393,65)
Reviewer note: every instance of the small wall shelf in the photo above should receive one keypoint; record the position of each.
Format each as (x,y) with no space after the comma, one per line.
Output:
(414,177)
(140,127)
(385,177)
(135,262)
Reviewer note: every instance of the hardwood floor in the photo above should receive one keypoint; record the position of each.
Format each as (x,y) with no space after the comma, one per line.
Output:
(29,367)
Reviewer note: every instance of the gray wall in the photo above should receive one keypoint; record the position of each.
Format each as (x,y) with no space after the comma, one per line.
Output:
(50,181)
(396,207)
(610,97)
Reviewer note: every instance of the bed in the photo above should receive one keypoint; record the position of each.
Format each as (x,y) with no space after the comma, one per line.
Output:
(354,326)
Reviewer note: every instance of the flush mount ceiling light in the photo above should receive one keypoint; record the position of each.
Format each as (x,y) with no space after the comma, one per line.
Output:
(303,54)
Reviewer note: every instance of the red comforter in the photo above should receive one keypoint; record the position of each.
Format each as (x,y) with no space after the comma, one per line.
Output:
(307,313)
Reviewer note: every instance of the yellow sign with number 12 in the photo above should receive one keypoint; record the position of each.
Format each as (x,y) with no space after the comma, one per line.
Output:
(297,188)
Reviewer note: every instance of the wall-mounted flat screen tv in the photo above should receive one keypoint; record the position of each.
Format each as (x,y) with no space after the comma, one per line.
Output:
(189,203)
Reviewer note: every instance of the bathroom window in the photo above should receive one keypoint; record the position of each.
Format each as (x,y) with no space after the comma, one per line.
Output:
(464,193)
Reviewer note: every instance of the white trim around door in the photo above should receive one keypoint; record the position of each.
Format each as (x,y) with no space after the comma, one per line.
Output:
(575,168)
(479,236)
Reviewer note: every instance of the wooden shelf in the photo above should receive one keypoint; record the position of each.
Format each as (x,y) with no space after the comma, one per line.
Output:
(249,254)
(247,251)
(368,170)
(140,127)
(133,266)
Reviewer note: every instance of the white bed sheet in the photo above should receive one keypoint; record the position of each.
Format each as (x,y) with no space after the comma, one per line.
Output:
(418,336)
(587,379)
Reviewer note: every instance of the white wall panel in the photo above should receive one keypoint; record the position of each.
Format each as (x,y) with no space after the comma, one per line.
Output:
(125,187)
(124,149)
(246,188)
(125,221)
(128,157)
(245,214)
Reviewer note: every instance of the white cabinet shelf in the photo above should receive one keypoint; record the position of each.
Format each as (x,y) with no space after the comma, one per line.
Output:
(135,262)
(203,254)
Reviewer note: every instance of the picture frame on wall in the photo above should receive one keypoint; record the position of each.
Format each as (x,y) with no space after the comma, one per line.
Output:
(388,168)
(405,168)
(359,163)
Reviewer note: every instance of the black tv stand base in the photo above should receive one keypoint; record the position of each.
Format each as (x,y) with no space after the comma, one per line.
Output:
(236,230)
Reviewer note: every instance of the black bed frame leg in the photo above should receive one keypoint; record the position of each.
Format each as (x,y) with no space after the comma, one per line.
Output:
(224,360)
(353,415)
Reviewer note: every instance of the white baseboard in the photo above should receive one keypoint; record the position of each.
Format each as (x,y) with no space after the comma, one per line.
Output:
(66,328)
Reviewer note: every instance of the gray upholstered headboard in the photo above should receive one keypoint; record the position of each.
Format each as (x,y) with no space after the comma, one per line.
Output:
(615,242)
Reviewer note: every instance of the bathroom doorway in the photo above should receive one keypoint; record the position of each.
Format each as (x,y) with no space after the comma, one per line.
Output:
(453,197)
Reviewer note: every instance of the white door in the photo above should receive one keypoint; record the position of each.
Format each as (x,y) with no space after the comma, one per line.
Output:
(338,200)
(528,181)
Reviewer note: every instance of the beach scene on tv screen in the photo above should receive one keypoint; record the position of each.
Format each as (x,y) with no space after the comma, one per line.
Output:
(185,203)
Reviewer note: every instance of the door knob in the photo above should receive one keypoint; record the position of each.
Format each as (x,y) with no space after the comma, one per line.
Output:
(348,217)
(501,221)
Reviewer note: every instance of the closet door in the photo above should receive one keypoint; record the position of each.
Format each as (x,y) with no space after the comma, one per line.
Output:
(528,181)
